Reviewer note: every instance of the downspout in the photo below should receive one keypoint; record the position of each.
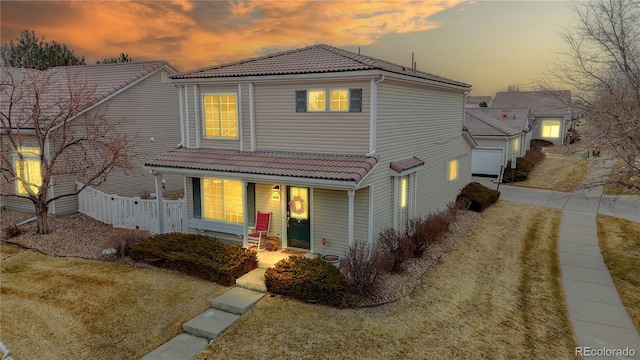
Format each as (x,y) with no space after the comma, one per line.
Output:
(186,118)
(159,205)
(351,194)
(181,115)
(373,114)
(252,118)
(240,120)
(196,115)
(50,195)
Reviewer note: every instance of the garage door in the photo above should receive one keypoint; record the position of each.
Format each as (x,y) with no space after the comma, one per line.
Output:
(486,161)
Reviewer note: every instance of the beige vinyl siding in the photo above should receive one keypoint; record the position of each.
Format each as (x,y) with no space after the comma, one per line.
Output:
(149,109)
(280,127)
(196,117)
(361,215)
(246,115)
(330,220)
(264,203)
(427,123)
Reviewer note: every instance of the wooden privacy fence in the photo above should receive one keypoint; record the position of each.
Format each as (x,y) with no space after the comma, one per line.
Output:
(132,213)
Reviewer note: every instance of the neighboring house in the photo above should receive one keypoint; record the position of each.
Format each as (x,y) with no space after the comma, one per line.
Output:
(136,93)
(475,101)
(550,111)
(500,135)
(336,145)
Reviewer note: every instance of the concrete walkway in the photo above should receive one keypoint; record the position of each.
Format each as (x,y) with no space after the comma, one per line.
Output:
(599,319)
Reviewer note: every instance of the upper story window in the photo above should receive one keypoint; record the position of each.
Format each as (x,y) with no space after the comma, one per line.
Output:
(347,100)
(317,100)
(220,115)
(28,172)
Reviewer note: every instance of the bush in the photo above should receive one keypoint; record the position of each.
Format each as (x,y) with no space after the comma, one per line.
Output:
(363,266)
(202,256)
(312,280)
(481,197)
(534,155)
(396,247)
(11,231)
(121,240)
(540,143)
(520,173)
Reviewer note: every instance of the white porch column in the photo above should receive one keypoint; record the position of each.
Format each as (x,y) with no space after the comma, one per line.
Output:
(196,112)
(351,194)
(159,206)
(245,214)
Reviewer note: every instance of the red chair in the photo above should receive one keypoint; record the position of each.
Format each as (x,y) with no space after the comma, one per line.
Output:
(257,234)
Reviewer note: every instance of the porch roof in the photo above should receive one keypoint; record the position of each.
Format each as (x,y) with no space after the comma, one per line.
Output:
(347,168)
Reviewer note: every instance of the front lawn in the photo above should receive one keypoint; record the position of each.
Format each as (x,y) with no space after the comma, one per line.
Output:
(496,294)
(70,308)
(620,243)
(557,172)
(613,187)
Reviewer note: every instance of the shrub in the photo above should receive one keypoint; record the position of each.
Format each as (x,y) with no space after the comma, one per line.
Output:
(397,247)
(121,240)
(312,280)
(202,256)
(480,196)
(11,231)
(534,155)
(540,143)
(520,173)
(363,266)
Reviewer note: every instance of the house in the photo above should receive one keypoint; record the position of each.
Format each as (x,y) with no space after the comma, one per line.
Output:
(476,101)
(137,93)
(336,145)
(550,111)
(500,134)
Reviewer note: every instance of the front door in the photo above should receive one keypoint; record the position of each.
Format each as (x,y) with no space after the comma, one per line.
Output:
(298,218)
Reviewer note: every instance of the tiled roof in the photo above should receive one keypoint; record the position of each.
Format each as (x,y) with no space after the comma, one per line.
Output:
(99,80)
(540,102)
(478,99)
(481,123)
(318,58)
(407,164)
(515,117)
(286,164)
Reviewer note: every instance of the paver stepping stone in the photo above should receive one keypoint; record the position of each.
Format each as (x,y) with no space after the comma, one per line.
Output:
(209,324)
(183,346)
(253,280)
(237,300)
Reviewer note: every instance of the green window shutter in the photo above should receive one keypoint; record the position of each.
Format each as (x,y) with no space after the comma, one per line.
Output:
(301,100)
(355,100)
(197,198)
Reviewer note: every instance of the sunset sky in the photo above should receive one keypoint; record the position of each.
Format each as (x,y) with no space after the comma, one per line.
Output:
(487,44)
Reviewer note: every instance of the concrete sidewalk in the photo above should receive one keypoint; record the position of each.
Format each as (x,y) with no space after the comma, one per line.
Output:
(599,319)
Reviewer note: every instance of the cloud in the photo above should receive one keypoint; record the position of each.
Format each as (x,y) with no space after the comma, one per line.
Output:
(193,34)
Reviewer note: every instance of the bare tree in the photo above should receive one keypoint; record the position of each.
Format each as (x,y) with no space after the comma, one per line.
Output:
(51,132)
(602,65)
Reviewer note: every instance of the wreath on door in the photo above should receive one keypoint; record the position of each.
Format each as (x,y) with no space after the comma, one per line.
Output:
(296,205)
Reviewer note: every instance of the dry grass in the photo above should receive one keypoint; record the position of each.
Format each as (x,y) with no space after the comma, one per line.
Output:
(557,172)
(69,308)
(496,295)
(612,187)
(620,243)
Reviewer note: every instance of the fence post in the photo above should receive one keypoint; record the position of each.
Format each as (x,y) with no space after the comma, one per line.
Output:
(159,206)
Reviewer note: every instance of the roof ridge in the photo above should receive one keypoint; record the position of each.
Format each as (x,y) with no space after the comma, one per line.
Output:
(492,122)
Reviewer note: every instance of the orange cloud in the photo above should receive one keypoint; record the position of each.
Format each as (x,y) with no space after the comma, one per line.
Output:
(197,34)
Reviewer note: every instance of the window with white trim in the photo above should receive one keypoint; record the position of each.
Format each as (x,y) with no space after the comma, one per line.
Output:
(222,200)
(220,115)
(339,100)
(28,171)
(551,129)
(405,199)
(317,100)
